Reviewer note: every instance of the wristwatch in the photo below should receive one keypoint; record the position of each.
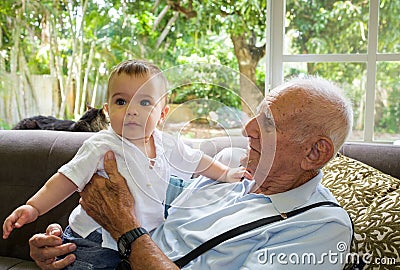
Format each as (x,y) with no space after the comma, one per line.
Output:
(125,241)
(123,265)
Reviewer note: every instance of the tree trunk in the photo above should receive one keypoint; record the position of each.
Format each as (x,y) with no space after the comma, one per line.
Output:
(166,29)
(248,56)
(30,99)
(160,17)
(73,62)
(86,78)
(59,91)
(16,34)
(94,91)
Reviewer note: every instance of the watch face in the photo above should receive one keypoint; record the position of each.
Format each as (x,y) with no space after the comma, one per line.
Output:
(122,248)
(123,265)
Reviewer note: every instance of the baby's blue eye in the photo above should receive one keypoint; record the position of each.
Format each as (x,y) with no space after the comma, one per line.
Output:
(145,102)
(120,101)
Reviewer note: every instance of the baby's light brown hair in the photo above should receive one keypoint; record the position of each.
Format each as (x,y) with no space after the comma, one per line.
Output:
(134,67)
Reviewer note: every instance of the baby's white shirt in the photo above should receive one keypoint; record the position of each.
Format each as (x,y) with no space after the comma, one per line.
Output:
(148,183)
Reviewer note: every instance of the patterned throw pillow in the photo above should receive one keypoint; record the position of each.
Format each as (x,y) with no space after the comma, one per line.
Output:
(372,200)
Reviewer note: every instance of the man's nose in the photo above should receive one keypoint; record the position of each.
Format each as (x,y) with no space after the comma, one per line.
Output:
(244,132)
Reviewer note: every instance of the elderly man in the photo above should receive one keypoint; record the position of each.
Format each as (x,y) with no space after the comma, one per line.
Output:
(300,126)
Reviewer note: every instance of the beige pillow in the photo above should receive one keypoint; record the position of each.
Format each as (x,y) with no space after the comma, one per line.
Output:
(372,200)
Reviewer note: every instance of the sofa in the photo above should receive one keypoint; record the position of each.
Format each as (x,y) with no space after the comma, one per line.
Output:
(364,178)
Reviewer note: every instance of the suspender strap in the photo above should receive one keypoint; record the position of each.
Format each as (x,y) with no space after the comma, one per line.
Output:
(209,244)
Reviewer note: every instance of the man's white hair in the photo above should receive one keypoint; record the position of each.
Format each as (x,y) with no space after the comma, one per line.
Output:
(328,111)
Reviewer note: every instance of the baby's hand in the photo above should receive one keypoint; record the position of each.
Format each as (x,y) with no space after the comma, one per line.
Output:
(21,216)
(236,175)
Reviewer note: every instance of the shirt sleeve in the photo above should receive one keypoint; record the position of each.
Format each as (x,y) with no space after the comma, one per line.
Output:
(82,166)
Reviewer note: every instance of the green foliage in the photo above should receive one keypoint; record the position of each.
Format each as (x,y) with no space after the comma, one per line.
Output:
(126,29)
(333,27)
(203,98)
(4,124)
(389,25)
(353,85)
(342,27)
(388,91)
(189,92)
(203,81)
(390,121)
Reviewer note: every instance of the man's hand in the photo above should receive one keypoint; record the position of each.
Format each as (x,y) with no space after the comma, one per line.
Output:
(45,248)
(108,201)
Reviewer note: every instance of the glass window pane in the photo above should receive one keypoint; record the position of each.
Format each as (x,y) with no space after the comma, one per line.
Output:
(204,111)
(387,105)
(326,27)
(350,76)
(206,101)
(389,25)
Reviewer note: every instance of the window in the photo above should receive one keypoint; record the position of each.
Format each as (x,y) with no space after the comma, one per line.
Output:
(354,43)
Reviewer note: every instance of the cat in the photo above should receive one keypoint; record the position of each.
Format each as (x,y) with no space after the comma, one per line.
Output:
(93,120)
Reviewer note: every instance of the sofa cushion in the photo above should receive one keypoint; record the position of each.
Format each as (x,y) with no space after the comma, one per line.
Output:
(17,264)
(372,200)
(27,159)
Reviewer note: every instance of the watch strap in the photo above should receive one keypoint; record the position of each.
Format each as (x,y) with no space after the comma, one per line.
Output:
(127,239)
(124,265)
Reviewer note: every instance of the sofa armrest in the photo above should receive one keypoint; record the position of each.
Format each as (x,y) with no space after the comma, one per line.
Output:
(384,157)
(212,146)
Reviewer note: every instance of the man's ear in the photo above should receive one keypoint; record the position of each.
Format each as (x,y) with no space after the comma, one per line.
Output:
(320,153)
